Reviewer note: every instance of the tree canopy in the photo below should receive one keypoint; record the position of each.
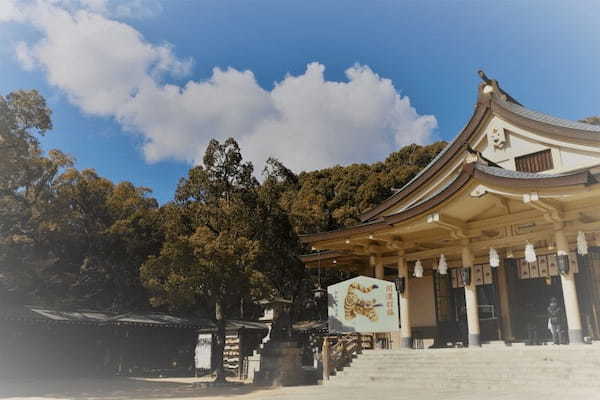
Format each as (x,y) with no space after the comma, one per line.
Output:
(227,239)
(595,120)
(67,237)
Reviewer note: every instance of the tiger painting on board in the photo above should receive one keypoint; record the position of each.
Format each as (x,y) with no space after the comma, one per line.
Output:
(355,305)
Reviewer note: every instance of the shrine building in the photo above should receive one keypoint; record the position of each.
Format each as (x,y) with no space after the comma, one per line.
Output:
(505,218)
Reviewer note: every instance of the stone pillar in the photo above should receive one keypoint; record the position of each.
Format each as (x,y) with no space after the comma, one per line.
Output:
(404,309)
(379,271)
(471,300)
(569,292)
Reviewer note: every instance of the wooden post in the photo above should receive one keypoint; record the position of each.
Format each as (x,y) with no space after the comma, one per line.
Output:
(569,292)
(503,292)
(325,357)
(404,305)
(471,300)
(379,270)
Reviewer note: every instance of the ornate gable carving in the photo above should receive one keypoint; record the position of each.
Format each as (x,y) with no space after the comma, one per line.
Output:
(497,137)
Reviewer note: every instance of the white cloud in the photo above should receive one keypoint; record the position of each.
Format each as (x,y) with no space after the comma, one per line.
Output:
(136,9)
(121,9)
(97,6)
(23,53)
(107,68)
(9,11)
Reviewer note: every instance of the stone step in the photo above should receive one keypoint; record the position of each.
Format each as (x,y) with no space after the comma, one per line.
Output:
(474,365)
(496,361)
(537,372)
(477,363)
(488,357)
(492,373)
(579,382)
(546,372)
(331,392)
(479,353)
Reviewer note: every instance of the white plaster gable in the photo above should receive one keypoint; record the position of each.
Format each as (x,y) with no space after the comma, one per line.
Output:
(567,155)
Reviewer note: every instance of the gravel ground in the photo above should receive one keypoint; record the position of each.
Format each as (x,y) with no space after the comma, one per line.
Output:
(127,388)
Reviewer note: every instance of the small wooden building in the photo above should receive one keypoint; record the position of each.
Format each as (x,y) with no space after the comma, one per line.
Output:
(241,339)
(37,341)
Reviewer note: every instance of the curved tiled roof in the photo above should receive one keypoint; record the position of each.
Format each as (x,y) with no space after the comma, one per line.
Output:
(531,180)
(548,119)
(507,173)
(505,106)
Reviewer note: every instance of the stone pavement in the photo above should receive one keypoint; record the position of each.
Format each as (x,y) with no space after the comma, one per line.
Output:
(185,389)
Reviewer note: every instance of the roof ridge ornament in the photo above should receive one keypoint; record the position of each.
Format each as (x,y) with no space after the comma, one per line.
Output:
(489,87)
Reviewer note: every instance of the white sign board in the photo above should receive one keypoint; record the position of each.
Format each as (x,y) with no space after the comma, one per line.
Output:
(202,354)
(363,304)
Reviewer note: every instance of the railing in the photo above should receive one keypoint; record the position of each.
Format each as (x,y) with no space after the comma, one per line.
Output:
(338,351)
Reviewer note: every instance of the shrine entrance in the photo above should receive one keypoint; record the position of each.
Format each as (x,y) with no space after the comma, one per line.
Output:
(451,308)
(531,288)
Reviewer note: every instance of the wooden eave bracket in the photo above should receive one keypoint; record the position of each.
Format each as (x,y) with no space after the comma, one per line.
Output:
(552,211)
(456,227)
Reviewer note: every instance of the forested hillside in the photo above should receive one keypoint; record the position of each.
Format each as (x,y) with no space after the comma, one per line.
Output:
(334,197)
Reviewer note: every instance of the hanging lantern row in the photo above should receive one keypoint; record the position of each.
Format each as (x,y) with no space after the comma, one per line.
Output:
(494,257)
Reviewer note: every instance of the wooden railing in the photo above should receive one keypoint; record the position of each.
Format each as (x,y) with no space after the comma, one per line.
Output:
(338,351)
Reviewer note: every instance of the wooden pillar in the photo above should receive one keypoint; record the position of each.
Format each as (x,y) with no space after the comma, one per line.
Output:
(404,309)
(379,271)
(325,358)
(569,292)
(503,293)
(372,262)
(379,274)
(471,300)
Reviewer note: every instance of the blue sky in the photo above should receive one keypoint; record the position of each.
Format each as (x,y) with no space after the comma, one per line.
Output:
(135,95)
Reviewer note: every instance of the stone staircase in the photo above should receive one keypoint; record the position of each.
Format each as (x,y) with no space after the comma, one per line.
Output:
(494,372)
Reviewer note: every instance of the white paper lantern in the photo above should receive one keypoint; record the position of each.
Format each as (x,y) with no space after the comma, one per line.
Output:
(530,256)
(443,265)
(418,272)
(582,246)
(494,258)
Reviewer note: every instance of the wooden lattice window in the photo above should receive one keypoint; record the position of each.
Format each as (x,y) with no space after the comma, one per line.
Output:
(535,162)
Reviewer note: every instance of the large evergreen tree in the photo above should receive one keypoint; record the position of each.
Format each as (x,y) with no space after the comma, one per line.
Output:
(209,256)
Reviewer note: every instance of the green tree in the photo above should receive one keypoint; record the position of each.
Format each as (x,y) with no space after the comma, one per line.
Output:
(102,235)
(26,177)
(332,198)
(209,255)
(67,236)
(278,259)
(595,120)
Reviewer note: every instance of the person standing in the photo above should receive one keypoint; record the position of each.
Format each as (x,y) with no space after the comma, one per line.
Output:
(554,320)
